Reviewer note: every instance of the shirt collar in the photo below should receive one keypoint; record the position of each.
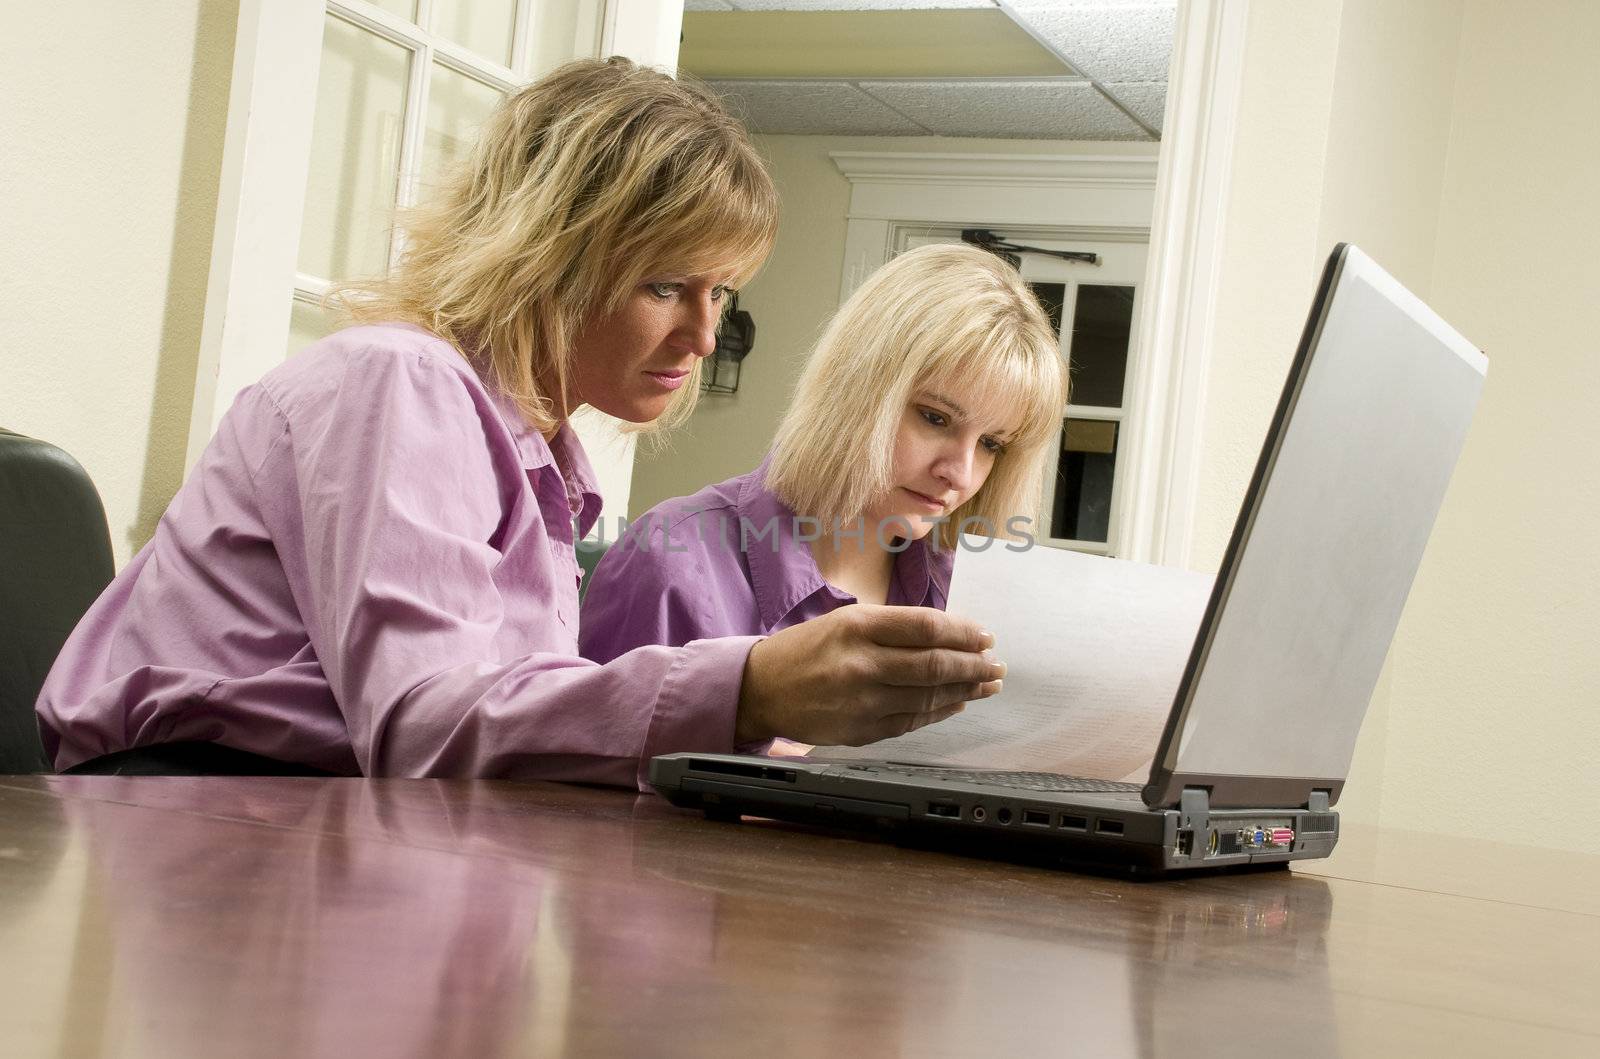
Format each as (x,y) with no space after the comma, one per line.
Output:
(782,570)
(784,573)
(563,454)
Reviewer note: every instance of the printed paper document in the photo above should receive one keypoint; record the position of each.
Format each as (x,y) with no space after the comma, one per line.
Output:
(1094,650)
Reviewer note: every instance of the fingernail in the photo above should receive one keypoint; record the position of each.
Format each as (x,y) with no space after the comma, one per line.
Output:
(997,669)
(988,637)
(998,686)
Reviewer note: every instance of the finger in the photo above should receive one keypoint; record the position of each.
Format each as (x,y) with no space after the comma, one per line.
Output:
(892,701)
(913,667)
(923,627)
(904,723)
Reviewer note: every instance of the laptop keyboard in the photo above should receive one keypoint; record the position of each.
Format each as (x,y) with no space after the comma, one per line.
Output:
(1027,781)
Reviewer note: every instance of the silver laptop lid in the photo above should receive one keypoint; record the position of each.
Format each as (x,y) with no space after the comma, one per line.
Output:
(1328,540)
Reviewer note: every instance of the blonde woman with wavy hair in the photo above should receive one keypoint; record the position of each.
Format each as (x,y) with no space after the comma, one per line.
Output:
(371,569)
(927,407)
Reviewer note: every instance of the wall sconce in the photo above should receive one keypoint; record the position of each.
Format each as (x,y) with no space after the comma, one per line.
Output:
(735,338)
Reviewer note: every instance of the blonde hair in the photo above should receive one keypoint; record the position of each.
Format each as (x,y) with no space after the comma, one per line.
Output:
(582,185)
(940,312)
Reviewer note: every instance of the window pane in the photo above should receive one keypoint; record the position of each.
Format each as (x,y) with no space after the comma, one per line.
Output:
(1052,296)
(307,323)
(1082,510)
(1100,327)
(483,26)
(457,105)
(406,9)
(355,154)
(558,26)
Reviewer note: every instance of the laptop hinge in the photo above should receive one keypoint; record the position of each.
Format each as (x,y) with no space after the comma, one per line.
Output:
(1194,807)
(1318,801)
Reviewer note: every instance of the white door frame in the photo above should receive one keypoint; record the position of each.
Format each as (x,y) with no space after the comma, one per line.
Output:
(1179,206)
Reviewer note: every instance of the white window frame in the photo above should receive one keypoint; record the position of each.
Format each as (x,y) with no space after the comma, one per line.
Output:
(1179,206)
(266,161)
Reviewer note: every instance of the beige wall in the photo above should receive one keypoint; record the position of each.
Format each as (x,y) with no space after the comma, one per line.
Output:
(790,301)
(111,125)
(1377,123)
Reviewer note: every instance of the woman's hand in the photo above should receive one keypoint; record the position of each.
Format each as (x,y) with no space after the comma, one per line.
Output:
(864,673)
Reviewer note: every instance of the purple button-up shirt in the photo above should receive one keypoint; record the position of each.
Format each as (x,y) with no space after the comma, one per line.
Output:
(371,570)
(728,561)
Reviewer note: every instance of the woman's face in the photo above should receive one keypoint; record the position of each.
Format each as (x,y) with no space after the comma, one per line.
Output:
(945,448)
(630,363)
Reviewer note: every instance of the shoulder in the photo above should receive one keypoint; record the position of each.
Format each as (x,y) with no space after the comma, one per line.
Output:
(375,362)
(677,514)
(388,402)
(679,541)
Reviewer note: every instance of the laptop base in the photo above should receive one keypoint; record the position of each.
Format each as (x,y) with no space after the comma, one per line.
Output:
(1101,832)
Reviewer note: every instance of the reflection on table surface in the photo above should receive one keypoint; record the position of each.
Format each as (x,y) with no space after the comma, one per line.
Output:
(239,916)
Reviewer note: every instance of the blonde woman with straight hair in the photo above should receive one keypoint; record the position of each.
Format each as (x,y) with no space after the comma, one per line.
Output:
(927,408)
(371,568)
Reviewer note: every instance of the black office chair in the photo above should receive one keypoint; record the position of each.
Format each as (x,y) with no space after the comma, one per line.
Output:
(55,559)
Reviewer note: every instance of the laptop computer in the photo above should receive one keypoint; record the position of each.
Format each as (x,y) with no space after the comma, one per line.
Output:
(1258,743)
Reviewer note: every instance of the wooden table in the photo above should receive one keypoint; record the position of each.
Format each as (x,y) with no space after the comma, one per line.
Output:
(286,917)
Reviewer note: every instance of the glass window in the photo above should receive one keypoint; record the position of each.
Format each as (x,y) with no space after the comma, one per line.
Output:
(406,9)
(1101,323)
(1082,507)
(482,26)
(1053,297)
(355,152)
(307,323)
(457,106)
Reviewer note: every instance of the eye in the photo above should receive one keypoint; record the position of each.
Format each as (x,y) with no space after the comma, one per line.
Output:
(933,418)
(664,290)
(720,293)
(993,446)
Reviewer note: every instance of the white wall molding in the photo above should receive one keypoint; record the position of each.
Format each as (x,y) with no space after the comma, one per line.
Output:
(1176,321)
(1073,191)
(266,155)
(997,169)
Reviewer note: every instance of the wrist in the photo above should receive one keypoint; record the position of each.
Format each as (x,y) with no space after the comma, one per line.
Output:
(750,724)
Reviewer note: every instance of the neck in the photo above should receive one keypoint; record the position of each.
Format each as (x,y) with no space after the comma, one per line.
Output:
(860,565)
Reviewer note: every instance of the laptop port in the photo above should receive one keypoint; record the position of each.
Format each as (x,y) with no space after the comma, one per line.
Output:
(1036,817)
(1185,846)
(1004,816)
(1108,827)
(979,813)
(1073,823)
(944,809)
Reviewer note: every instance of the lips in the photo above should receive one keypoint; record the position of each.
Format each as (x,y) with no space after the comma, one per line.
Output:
(925,500)
(669,379)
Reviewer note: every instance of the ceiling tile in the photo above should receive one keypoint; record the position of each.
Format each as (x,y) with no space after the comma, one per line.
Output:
(812,108)
(1120,43)
(1147,99)
(1053,110)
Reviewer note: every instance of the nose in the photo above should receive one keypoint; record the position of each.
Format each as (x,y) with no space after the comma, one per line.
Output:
(955,466)
(699,324)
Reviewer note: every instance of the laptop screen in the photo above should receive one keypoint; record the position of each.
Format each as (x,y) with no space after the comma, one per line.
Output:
(1328,541)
